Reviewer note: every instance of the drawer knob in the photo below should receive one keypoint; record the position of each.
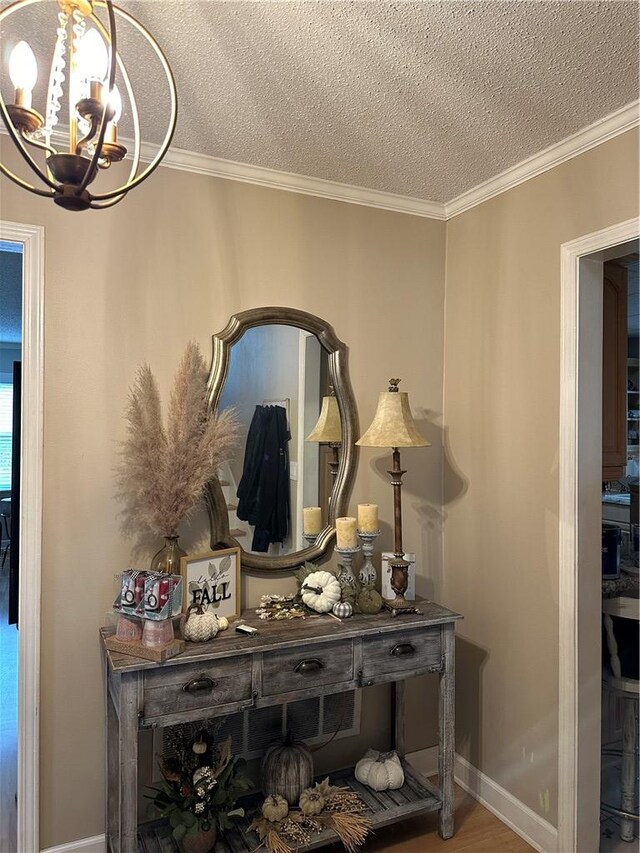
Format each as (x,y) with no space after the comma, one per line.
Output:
(307,666)
(204,684)
(402,650)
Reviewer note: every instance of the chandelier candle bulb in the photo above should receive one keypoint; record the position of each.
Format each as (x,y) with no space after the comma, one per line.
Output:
(368,518)
(312,520)
(347,533)
(23,71)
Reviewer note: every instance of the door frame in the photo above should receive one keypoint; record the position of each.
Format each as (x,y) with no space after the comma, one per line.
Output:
(580,516)
(32,238)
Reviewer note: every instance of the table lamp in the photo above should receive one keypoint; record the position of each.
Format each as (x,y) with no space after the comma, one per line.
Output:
(393,427)
(328,430)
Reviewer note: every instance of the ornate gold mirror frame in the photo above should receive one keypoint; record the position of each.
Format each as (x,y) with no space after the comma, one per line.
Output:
(339,376)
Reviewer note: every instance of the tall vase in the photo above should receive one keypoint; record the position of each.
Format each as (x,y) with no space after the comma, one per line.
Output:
(167,559)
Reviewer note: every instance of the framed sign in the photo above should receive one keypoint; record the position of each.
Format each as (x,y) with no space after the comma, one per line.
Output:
(213,580)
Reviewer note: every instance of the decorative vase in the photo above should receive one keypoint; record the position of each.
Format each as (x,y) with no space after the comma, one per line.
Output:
(167,559)
(200,842)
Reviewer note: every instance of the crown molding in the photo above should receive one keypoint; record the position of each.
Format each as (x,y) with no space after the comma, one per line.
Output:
(589,137)
(203,164)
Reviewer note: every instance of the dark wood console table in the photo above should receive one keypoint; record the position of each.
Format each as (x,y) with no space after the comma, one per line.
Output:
(234,672)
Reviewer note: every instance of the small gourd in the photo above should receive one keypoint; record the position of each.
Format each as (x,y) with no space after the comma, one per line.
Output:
(380,771)
(369,601)
(275,808)
(343,610)
(200,625)
(311,802)
(320,591)
(223,623)
(199,747)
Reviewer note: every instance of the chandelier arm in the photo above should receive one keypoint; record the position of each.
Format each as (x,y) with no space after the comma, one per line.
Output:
(93,126)
(135,162)
(174,108)
(109,203)
(17,140)
(93,166)
(22,183)
(38,144)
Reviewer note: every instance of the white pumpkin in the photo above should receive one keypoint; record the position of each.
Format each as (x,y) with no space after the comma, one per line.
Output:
(320,591)
(223,623)
(200,625)
(380,771)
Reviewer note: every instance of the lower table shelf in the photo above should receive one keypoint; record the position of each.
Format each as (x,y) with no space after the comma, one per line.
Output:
(417,795)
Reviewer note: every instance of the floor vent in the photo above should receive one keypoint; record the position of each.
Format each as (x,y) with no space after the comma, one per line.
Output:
(313,720)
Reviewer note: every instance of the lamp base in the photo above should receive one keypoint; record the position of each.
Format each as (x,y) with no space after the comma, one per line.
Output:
(399,606)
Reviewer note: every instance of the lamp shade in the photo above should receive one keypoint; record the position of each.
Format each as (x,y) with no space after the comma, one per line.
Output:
(393,424)
(329,428)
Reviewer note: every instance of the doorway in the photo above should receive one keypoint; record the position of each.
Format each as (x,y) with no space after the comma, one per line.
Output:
(580,577)
(26,530)
(620,604)
(10,397)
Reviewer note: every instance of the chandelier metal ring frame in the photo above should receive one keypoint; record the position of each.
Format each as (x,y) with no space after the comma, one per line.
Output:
(105,199)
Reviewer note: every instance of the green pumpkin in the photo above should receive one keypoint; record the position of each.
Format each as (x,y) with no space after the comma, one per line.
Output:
(369,601)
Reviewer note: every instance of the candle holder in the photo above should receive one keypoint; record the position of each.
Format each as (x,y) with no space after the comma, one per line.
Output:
(346,576)
(310,538)
(368,573)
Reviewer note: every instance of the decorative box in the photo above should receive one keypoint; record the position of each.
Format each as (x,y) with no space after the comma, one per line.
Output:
(149,595)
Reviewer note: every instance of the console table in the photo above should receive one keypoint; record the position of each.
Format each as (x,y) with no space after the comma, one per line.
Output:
(284,661)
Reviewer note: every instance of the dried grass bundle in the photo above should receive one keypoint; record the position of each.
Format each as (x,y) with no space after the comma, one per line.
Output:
(162,473)
(352,829)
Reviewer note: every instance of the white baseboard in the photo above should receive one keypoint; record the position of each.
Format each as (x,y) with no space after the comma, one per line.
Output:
(535,830)
(96,844)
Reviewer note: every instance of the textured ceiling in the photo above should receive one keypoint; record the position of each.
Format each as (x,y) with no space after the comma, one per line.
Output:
(425,99)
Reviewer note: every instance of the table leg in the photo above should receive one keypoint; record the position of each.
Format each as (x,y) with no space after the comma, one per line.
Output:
(398,709)
(629,766)
(122,767)
(447,732)
(112,817)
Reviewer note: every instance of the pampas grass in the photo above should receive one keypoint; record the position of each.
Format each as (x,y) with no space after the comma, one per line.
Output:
(162,472)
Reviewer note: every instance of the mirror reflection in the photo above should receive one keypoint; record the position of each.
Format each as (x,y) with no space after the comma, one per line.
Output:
(277,378)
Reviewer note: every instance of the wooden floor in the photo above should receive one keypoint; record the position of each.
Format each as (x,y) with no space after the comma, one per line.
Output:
(8,721)
(477,831)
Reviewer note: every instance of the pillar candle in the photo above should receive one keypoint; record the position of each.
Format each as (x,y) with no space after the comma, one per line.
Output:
(368,518)
(346,532)
(312,520)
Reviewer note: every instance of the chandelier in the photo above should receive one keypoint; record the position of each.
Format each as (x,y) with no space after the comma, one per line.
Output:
(82,83)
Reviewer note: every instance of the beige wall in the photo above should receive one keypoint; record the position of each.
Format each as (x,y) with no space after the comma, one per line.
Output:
(135,283)
(172,263)
(502,375)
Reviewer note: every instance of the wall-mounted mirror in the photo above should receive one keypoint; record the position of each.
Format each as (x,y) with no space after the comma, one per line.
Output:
(275,366)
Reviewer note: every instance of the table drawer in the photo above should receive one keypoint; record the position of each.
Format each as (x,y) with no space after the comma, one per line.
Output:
(309,666)
(175,689)
(401,651)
